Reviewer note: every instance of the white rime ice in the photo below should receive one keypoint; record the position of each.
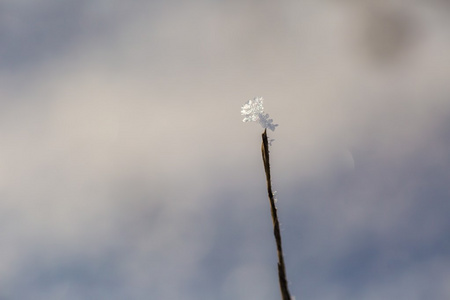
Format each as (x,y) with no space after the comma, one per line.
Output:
(253,110)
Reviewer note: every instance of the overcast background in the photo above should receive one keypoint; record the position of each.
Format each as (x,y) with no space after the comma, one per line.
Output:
(126,171)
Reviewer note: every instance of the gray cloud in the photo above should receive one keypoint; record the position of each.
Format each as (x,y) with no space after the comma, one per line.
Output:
(126,172)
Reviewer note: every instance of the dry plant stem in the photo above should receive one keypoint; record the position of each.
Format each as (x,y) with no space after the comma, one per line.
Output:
(276,225)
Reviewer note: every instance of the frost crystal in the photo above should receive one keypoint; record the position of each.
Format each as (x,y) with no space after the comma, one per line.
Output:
(253,110)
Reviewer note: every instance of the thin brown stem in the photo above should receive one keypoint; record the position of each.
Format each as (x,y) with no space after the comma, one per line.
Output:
(276,225)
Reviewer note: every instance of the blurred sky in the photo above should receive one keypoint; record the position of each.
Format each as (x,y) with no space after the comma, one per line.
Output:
(126,171)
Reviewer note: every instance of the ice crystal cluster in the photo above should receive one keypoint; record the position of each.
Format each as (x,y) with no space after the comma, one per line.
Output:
(253,110)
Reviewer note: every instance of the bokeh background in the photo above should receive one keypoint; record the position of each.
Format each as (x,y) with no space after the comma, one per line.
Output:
(126,171)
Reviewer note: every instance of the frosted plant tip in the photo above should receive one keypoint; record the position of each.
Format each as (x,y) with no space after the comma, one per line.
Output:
(253,110)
